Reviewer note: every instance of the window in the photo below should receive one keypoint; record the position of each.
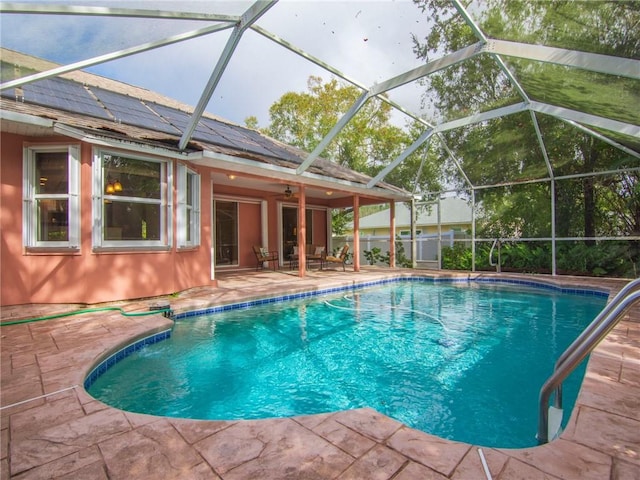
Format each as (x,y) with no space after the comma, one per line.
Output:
(51,183)
(132,205)
(226,232)
(188,221)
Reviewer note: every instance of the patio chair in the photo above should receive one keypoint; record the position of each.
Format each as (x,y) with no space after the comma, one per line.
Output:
(341,258)
(263,255)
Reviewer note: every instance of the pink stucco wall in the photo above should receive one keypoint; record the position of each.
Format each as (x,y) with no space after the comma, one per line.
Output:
(87,276)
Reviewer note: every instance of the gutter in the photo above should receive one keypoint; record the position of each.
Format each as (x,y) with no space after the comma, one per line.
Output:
(233,164)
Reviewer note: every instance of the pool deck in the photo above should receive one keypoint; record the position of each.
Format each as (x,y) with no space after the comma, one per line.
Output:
(51,427)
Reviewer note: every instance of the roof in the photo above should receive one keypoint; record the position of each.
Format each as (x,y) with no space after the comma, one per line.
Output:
(93,107)
(453,211)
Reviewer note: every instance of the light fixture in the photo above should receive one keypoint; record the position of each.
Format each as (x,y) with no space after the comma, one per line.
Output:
(329,193)
(113,187)
(231,176)
(287,192)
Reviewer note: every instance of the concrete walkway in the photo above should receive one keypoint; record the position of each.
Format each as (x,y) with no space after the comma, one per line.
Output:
(51,428)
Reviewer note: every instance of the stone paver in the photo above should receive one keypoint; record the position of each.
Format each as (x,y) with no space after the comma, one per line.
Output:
(51,427)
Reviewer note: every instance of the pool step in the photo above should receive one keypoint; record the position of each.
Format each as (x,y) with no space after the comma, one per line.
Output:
(555,422)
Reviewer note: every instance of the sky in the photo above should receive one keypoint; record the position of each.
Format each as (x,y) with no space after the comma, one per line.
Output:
(368,41)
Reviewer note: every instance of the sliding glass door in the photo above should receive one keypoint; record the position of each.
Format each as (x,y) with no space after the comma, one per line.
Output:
(226,224)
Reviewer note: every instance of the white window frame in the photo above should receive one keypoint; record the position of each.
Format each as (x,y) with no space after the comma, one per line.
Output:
(30,197)
(165,202)
(188,233)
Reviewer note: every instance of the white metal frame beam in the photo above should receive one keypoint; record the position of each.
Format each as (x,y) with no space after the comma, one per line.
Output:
(58,9)
(340,124)
(252,14)
(316,61)
(586,118)
(595,62)
(54,72)
(377,90)
(412,148)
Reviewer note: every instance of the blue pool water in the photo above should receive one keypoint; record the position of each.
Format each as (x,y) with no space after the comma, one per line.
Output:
(464,362)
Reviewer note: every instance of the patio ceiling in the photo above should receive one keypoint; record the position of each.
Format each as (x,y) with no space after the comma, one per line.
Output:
(612,120)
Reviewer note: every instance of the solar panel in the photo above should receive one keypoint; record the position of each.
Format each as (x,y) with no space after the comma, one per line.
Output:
(277,149)
(64,95)
(181,120)
(236,136)
(73,97)
(132,111)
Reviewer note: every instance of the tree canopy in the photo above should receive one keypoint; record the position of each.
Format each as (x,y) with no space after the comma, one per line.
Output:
(367,144)
(507,150)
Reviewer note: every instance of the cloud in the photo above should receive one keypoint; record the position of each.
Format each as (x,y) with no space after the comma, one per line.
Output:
(368,41)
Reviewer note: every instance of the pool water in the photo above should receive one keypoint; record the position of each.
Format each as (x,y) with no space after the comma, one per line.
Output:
(464,362)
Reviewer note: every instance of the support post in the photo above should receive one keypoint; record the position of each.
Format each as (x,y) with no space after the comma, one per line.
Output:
(302,232)
(356,233)
(392,234)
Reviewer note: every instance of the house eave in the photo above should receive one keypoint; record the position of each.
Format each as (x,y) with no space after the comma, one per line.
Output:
(233,164)
(25,124)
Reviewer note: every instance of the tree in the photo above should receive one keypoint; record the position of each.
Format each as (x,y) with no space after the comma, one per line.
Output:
(506,150)
(367,144)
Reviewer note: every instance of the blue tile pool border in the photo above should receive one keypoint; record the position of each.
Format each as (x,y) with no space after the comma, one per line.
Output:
(124,352)
(589,292)
(121,354)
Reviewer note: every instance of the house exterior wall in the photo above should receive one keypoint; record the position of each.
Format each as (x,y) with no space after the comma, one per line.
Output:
(87,275)
(84,275)
(428,229)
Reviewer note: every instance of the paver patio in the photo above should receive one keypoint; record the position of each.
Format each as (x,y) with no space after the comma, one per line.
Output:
(51,428)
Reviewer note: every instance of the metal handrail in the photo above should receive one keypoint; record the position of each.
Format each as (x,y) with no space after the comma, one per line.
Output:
(497,265)
(627,290)
(580,348)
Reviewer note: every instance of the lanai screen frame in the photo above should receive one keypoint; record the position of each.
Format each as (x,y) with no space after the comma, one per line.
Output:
(239,24)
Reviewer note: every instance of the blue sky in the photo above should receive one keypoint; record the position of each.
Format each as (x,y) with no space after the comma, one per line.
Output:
(368,41)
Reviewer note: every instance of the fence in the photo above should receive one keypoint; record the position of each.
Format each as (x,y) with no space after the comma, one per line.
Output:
(427,246)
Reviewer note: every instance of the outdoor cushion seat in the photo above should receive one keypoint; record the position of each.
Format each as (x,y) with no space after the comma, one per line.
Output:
(341,258)
(313,253)
(263,255)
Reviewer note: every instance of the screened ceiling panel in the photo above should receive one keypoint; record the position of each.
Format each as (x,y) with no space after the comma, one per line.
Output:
(587,26)
(595,93)
(482,86)
(501,150)
(627,141)
(367,44)
(566,160)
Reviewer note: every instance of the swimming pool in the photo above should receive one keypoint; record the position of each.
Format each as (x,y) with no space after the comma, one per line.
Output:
(461,361)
